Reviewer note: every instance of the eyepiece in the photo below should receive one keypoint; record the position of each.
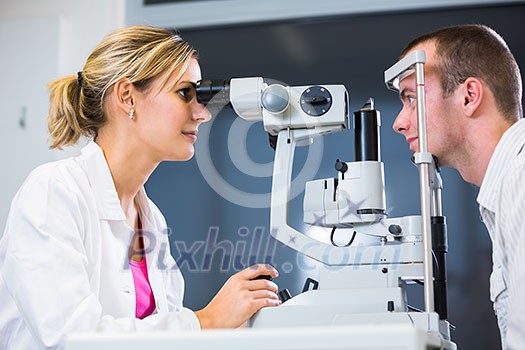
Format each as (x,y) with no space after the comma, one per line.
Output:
(215,92)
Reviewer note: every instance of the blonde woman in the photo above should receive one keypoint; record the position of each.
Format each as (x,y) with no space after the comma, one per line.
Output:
(84,248)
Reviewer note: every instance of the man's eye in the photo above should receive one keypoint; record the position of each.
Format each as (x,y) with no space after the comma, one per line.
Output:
(410,100)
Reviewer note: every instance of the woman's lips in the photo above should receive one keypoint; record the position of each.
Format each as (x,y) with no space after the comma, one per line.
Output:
(192,135)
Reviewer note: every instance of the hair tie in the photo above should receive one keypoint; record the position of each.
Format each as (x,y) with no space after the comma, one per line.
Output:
(80,78)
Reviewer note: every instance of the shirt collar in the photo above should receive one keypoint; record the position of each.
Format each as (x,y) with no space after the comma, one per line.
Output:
(508,147)
(94,162)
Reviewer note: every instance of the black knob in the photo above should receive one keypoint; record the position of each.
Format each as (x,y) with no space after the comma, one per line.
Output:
(284,295)
(316,101)
(341,166)
(263,277)
(395,229)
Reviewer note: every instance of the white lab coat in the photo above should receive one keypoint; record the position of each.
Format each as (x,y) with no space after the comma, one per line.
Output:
(64,259)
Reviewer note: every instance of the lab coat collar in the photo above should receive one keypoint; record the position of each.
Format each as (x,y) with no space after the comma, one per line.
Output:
(508,147)
(108,203)
(97,170)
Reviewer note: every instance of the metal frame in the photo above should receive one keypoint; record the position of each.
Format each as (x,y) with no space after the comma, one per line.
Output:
(414,62)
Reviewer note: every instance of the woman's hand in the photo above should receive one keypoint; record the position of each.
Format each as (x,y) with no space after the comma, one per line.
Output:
(240,297)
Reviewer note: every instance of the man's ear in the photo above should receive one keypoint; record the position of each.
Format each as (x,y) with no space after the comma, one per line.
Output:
(124,92)
(473,94)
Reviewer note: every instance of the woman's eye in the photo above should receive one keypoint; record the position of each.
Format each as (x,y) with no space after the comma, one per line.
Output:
(187,93)
(410,99)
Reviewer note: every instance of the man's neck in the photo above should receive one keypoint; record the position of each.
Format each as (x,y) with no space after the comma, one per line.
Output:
(478,152)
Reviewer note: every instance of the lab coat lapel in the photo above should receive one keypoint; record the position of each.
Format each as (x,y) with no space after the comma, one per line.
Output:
(96,167)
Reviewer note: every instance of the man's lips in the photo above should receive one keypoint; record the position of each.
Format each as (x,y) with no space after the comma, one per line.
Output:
(411,140)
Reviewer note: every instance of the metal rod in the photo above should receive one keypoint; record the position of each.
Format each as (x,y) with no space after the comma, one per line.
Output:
(424,184)
(438,208)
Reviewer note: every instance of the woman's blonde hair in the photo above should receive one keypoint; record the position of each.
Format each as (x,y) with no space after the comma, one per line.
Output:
(138,53)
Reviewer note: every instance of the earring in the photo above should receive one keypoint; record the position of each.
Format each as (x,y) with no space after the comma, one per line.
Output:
(131,113)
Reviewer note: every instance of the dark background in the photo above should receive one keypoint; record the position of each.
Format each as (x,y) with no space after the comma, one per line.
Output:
(350,50)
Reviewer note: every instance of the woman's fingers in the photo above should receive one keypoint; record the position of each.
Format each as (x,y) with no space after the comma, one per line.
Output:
(261,284)
(263,294)
(240,297)
(258,270)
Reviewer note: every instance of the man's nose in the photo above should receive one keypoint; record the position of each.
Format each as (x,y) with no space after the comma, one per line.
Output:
(401,123)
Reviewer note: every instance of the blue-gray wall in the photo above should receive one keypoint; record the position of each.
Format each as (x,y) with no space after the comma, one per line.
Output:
(353,51)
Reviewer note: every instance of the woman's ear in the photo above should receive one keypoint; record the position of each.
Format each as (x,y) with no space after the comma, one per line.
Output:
(473,94)
(124,92)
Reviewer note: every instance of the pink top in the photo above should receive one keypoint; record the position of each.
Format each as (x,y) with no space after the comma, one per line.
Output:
(144,295)
(145,301)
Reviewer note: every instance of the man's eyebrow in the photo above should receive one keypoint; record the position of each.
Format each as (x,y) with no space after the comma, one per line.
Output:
(403,93)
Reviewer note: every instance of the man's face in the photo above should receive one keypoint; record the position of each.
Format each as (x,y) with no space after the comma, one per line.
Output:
(442,128)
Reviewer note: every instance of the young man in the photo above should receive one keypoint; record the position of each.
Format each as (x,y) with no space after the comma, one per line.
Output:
(475,125)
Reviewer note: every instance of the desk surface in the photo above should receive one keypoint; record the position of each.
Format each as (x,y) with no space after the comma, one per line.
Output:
(363,337)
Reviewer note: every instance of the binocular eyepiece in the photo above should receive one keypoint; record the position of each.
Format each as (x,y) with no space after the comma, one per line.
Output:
(215,92)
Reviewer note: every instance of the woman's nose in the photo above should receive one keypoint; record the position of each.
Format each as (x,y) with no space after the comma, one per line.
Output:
(200,112)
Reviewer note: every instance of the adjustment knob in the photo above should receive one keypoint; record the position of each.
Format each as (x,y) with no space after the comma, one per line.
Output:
(341,166)
(316,101)
(275,98)
(284,295)
(394,229)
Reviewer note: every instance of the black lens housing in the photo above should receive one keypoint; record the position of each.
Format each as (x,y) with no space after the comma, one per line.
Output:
(214,91)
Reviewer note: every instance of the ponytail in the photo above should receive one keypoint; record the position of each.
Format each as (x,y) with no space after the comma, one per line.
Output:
(64,112)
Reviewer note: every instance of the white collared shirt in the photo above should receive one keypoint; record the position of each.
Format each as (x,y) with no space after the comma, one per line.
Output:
(502,208)
(64,259)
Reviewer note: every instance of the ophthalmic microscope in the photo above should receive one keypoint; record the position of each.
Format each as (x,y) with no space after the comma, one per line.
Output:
(362,281)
